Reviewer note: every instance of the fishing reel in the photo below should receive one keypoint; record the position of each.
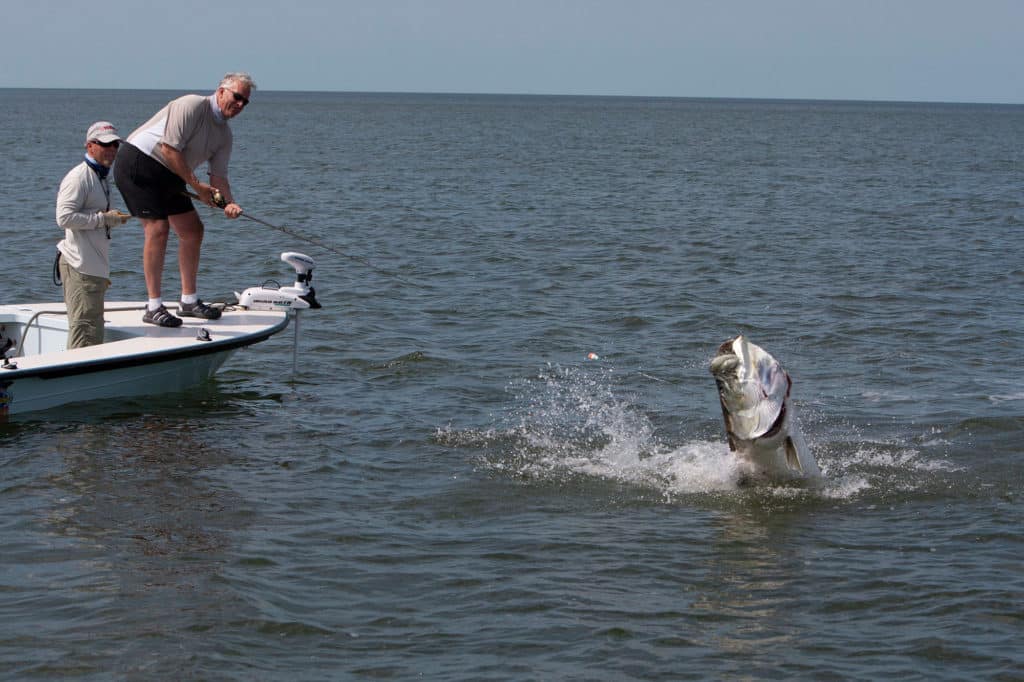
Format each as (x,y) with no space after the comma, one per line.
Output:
(299,296)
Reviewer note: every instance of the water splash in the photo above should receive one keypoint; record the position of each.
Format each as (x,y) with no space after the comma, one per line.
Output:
(572,423)
(568,422)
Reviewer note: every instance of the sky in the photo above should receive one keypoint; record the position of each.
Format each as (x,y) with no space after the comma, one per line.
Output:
(885,50)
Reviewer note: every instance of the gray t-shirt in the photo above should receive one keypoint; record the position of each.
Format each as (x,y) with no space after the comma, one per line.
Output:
(192,125)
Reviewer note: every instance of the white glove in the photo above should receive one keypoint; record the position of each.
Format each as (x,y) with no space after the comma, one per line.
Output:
(113,218)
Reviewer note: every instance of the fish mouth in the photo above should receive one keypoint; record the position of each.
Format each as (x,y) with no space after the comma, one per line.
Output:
(752,390)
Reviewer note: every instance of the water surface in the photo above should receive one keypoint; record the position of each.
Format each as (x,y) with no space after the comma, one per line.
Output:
(449,488)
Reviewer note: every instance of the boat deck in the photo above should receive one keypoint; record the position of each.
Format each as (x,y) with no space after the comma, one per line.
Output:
(44,347)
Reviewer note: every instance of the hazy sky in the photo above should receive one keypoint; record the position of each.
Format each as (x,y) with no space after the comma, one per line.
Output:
(916,50)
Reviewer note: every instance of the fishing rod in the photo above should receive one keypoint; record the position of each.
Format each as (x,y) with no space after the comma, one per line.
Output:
(220,202)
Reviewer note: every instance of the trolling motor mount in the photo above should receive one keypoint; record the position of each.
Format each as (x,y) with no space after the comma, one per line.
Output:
(302,288)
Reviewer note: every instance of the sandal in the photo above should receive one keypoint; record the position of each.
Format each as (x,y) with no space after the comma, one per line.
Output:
(161,318)
(198,309)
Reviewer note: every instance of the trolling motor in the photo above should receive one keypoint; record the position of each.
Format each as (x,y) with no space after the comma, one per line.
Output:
(299,296)
(302,288)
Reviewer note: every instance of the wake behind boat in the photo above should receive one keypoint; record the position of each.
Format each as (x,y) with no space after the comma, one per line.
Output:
(135,358)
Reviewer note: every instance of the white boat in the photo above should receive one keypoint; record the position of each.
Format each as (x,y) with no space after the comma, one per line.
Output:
(39,373)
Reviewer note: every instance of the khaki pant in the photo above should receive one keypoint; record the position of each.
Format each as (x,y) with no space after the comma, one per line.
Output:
(83,296)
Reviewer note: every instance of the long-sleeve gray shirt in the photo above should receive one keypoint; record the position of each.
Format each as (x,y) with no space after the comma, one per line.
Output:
(81,199)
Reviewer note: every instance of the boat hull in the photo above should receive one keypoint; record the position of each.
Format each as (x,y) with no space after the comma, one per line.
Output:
(137,359)
(31,394)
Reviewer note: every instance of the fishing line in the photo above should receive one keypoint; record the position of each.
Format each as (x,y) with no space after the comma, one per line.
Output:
(310,240)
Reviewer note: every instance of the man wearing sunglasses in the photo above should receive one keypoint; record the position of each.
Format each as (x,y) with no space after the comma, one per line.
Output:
(154,170)
(83,256)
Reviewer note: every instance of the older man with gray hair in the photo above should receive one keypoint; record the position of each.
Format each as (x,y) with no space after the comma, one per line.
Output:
(154,169)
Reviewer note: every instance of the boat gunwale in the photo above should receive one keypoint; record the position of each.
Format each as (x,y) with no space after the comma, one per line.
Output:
(193,348)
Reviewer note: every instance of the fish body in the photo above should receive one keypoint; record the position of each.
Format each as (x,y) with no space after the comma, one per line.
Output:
(760,420)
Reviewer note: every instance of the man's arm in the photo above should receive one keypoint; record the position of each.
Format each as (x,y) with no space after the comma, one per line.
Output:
(72,213)
(231,209)
(176,162)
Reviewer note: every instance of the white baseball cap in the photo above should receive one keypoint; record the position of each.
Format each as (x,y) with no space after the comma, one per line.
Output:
(102,131)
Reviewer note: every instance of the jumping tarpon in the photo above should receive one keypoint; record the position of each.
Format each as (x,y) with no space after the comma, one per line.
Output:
(760,422)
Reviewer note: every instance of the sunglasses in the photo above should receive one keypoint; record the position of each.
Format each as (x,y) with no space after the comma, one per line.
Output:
(238,98)
(107,145)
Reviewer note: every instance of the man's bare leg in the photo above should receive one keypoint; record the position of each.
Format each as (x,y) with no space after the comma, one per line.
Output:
(189,229)
(154,250)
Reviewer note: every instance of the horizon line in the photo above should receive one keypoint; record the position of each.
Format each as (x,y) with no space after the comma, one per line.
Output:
(538,94)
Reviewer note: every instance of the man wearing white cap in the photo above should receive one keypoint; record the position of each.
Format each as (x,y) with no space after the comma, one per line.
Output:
(83,210)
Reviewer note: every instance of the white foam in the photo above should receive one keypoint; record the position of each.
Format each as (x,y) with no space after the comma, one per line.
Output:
(568,422)
(1008,398)
(572,423)
(844,488)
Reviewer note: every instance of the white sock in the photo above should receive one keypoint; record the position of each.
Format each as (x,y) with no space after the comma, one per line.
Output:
(189,298)
(155,303)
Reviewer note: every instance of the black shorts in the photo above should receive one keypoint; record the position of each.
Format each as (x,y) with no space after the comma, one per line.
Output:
(150,190)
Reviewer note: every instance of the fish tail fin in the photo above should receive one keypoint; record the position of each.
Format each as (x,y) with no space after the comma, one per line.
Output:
(792,458)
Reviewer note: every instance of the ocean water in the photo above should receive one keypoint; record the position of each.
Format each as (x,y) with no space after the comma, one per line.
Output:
(448,488)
